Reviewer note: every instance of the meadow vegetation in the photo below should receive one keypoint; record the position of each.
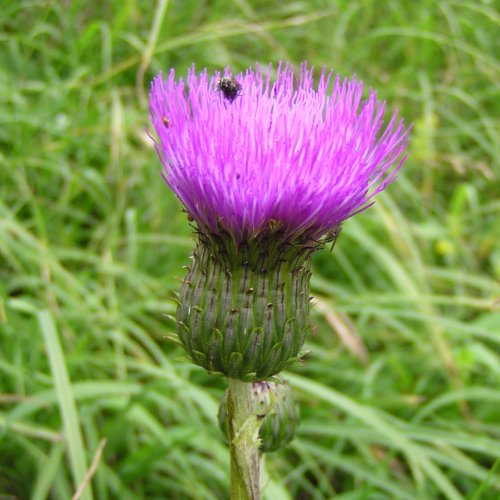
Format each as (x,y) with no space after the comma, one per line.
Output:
(400,391)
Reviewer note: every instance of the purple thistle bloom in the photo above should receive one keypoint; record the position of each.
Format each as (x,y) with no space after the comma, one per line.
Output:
(284,154)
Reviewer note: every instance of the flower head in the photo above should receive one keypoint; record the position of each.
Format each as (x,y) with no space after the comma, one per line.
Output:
(266,169)
(287,155)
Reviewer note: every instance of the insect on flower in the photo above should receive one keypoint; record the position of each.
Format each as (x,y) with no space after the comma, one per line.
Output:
(229,87)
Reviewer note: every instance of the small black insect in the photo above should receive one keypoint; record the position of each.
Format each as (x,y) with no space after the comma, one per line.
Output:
(229,87)
(165,121)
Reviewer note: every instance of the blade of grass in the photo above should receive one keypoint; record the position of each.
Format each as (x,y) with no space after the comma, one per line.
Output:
(46,477)
(66,401)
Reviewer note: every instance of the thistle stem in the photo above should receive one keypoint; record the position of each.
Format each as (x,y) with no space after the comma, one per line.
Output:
(243,428)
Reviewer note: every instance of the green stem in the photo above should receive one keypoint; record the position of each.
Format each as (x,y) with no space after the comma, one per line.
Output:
(243,428)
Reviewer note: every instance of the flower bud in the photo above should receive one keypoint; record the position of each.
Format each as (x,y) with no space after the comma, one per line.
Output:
(275,404)
(244,307)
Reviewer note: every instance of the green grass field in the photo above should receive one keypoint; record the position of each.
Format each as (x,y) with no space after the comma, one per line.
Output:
(400,393)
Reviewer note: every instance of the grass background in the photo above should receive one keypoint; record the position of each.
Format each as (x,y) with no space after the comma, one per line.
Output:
(400,395)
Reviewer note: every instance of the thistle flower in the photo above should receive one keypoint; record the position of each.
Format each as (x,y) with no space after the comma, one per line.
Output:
(267,175)
(286,151)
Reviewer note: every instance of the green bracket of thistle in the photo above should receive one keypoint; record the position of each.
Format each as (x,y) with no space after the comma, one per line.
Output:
(243,309)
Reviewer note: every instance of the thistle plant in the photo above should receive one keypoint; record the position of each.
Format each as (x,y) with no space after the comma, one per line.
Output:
(268,169)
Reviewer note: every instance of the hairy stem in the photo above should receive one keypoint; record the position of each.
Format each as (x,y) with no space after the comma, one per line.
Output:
(243,428)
